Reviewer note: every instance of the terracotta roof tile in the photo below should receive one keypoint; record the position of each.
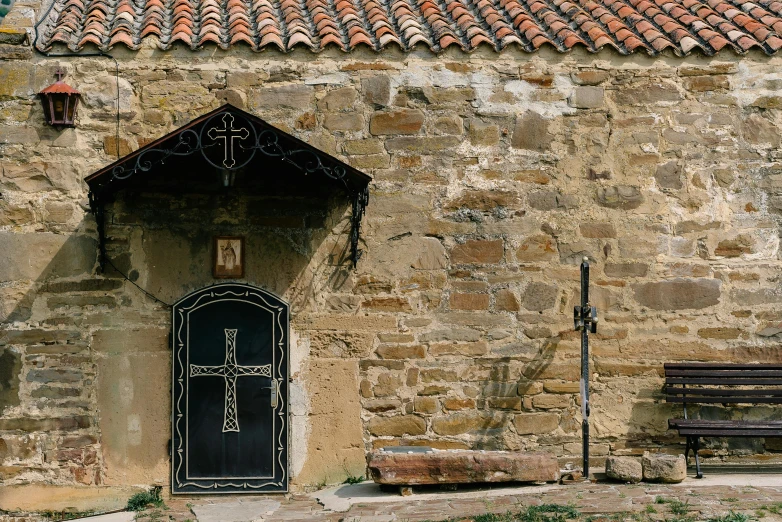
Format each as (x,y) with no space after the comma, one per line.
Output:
(650,26)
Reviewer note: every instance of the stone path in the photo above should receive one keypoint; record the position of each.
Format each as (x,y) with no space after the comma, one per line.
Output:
(757,496)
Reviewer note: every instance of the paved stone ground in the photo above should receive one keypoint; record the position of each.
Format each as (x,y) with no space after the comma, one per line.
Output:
(758,497)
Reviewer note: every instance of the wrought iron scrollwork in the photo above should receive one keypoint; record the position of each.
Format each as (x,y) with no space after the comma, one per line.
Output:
(244,139)
(305,160)
(360,202)
(188,142)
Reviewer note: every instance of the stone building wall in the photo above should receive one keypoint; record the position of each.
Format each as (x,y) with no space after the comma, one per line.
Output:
(494,174)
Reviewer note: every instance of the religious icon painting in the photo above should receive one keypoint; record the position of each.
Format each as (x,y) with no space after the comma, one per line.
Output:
(228,257)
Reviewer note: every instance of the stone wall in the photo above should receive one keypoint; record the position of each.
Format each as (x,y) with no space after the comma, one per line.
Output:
(494,174)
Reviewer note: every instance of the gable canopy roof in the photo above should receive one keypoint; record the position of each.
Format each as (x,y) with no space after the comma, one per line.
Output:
(649,26)
(223,147)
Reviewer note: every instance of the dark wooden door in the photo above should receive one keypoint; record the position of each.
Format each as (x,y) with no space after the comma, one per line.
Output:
(230,400)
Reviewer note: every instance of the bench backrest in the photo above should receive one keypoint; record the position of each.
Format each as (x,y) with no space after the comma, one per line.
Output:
(723,383)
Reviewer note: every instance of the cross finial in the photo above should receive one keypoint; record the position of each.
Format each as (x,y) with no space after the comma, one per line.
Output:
(59,73)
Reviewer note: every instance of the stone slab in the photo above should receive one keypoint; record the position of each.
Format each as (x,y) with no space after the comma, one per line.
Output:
(27,498)
(235,511)
(461,467)
(122,516)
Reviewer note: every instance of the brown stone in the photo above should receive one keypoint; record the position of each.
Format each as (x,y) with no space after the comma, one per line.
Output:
(110,146)
(537,248)
(531,133)
(706,83)
(399,121)
(734,247)
(400,351)
(458,404)
(485,200)
(720,332)
(426,405)
(505,300)
(535,423)
(626,269)
(377,90)
(458,423)
(597,230)
(476,251)
(589,77)
(343,121)
(484,134)
(539,296)
(467,349)
(469,301)
(397,426)
(549,402)
(387,304)
(457,467)
(678,294)
(620,197)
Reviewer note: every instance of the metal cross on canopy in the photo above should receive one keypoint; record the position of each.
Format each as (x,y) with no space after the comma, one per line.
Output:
(228,134)
(585,320)
(230,371)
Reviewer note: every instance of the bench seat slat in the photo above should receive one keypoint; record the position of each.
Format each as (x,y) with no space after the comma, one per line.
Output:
(699,423)
(731,433)
(725,400)
(720,366)
(672,390)
(724,373)
(732,382)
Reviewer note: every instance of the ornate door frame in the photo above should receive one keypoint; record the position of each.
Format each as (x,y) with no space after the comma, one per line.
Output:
(278,372)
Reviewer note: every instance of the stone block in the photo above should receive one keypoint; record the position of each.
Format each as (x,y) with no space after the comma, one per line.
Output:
(397,426)
(339,99)
(485,200)
(476,251)
(401,351)
(589,77)
(423,144)
(659,467)
(342,345)
(597,230)
(539,296)
(70,499)
(32,424)
(469,301)
(399,121)
(426,405)
(12,35)
(484,134)
(535,423)
(16,81)
(368,146)
(531,132)
(678,294)
(282,96)
(45,256)
(343,121)
(647,94)
(537,248)
(454,466)
(466,349)
(621,197)
(550,401)
(506,301)
(586,98)
(387,304)
(626,269)
(624,469)
(377,90)
(466,422)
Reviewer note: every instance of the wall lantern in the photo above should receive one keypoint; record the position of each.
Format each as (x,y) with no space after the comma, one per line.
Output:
(60,101)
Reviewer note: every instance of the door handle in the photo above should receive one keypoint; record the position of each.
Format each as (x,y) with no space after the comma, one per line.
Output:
(275,392)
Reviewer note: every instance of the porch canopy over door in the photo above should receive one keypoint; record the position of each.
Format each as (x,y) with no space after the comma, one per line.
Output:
(228,149)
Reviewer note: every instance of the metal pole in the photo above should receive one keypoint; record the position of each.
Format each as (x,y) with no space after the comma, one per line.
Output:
(585,319)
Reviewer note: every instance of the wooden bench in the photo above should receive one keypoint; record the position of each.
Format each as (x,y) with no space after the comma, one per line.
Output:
(706,383)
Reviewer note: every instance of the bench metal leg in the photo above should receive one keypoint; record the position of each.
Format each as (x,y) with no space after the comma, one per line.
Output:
(695,447)
(687,451)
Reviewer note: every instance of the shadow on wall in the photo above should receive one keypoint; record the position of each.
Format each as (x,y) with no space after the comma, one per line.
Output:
(85,356)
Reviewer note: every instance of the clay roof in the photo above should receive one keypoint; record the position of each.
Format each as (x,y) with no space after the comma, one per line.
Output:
(650,26)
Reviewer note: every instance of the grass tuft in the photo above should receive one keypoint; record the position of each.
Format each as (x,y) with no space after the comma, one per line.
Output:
(141,501)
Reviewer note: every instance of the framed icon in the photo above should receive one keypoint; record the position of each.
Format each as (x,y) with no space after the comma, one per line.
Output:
(228,257)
